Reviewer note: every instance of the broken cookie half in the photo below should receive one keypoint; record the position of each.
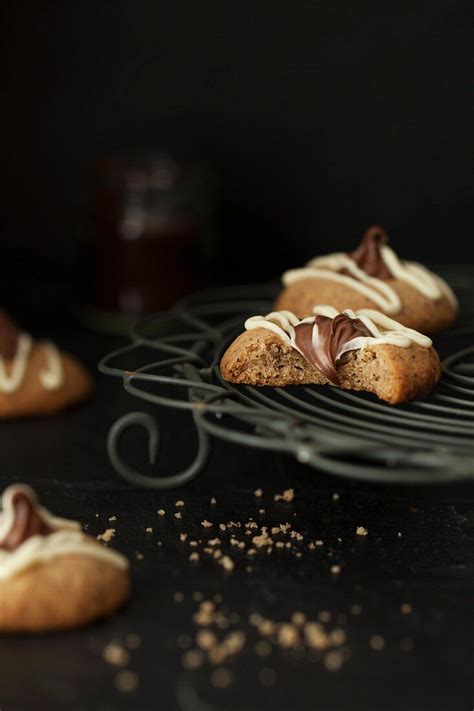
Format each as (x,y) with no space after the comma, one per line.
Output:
(363,350)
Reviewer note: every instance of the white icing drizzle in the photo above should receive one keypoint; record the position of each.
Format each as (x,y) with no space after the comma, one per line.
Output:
(381,293)
(68,539)
(9,382)
(51,377)
(384,330)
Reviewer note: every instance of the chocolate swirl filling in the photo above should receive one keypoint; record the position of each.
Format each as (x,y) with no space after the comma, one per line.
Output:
(368,257)
(9,335)
(321,341)
(27,522)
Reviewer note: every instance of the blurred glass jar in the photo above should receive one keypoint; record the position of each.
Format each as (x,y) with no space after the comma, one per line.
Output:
(153,218)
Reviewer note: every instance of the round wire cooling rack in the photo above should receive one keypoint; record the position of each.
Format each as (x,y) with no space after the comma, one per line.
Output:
(337,431)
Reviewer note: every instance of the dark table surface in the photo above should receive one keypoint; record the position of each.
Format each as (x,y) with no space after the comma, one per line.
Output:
(419,550)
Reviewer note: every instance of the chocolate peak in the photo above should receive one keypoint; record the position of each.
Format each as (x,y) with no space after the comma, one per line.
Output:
(9,334)
(27,521)
(330,336)
(368,257)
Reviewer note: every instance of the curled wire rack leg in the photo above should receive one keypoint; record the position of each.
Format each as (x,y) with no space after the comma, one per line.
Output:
(153,482)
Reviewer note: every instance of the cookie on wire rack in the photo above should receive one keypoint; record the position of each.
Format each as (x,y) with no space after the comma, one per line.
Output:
(371,276)
(363,350)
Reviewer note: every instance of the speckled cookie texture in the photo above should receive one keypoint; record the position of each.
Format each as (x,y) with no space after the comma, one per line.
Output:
(32,399)
(417,311)
(260,357)
(67,591)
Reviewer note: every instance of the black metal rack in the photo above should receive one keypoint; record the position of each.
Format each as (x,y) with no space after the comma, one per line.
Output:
(343,433)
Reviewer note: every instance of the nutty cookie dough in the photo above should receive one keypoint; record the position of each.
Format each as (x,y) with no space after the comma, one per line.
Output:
(35,377)
(52,575)
(365,350)
(372,276)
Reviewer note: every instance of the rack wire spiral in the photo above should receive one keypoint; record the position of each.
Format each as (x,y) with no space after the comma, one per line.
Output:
(343,433)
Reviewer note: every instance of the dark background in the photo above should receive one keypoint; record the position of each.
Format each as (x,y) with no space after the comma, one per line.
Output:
(319,119)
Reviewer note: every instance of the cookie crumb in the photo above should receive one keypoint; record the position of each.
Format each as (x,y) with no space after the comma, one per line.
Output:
(127,681)
(288,495)
(213,501)
(227,563)
(183,536)
(193,557)
(335,497)
(112,518)
(221,678)
(335,569)
(149,529)
(192,659)
(138,555)
(178,596)
(206,524)
(361,531)
(107,535)
(161,512)
(263,648)
(406,608)
(115,654)
(178,515)
(179,503)
(377,643)
(333,660)
(132,640)
(288,635)
(258,493)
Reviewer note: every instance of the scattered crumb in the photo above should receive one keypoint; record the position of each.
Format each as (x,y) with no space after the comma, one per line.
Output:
(267,676)
(107,535)
(399,534)
(335,569)
(192,659)
(261,511)
(161,512)
(333,660)
(221,678)
(377,643)
(324,616)
(112,518)
(335,497)
(132,641)
(127,680)
(406,608)
(149,529)
(178,515)
(288,495)
(198,596)
(222,526)
(178,596)
(179,503)
(138,555)
(183,536)
(193,557)
(206,524)
(205,639)
(298,618)
(361,531)
(288,635)
(227,563)
(213,501)
(258,493)
(114,653)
